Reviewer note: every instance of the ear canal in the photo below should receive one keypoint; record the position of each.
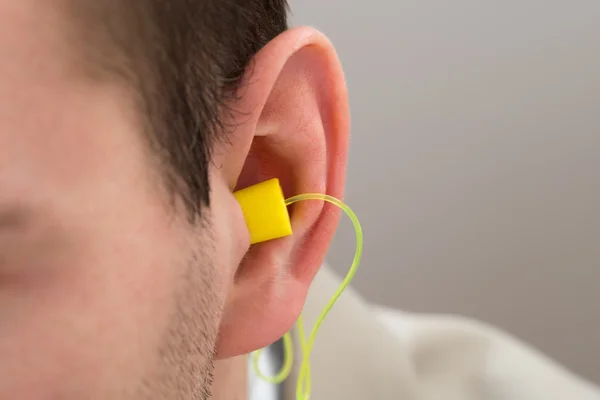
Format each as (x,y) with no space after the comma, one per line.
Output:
(265,211)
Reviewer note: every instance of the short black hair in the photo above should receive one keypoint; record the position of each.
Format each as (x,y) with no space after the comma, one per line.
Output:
(184,59)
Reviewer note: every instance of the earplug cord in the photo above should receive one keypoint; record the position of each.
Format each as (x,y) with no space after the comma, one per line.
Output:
(303,387)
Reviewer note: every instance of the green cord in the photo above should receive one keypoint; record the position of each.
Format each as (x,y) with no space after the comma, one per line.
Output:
(303,387)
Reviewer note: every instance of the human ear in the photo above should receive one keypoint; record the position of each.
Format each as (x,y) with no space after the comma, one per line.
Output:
(292,124)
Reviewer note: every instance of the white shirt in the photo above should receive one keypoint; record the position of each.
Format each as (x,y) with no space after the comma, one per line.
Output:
(367,352)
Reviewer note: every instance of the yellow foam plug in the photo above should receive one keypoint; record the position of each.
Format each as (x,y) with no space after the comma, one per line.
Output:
(265,211)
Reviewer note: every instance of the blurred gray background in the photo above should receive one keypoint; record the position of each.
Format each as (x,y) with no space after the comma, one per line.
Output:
(475,161)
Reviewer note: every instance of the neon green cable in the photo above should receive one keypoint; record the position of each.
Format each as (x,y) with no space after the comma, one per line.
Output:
(303,387)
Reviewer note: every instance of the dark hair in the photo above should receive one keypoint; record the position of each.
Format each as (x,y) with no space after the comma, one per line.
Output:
(185,60)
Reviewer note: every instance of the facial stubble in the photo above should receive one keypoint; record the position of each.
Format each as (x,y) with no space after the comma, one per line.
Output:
(185,367)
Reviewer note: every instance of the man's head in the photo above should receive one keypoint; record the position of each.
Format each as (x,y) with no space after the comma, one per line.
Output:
(125,269)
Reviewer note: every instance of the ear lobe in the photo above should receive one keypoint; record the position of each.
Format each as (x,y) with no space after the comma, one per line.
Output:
(299,127)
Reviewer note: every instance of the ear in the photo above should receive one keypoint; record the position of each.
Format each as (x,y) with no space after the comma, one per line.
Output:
(292,123)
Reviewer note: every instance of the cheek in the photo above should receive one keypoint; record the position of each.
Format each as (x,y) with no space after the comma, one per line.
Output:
(87,318)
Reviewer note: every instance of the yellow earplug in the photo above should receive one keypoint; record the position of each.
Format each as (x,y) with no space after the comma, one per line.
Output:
(265,211)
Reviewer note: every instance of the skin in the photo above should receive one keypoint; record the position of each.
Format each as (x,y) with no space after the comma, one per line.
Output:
(106,291)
